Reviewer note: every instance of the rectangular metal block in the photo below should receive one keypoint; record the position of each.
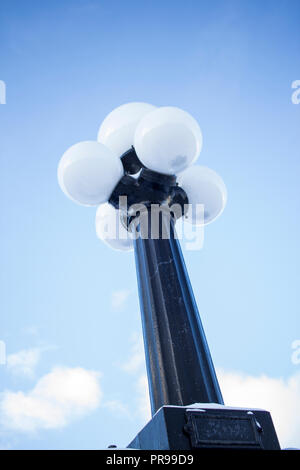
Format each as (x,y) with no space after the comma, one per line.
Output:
(184,428)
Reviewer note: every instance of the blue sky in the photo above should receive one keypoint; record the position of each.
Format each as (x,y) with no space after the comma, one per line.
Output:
(69,303)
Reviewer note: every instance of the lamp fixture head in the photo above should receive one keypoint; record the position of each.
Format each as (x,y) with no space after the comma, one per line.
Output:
(145,154)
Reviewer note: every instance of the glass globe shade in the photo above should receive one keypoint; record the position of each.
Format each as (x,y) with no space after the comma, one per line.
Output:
(206,193)
(168,140)
(88,172)
(110,229)
(118,128)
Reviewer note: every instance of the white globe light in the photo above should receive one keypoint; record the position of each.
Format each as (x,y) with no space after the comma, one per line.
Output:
(206,193)
(168,140)
(118,128)
(110,229)
(88,172)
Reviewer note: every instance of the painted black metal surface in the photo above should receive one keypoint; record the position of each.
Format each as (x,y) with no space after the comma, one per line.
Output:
(221,430)
(131,162)
(148,188)
(179,428)
(179,365)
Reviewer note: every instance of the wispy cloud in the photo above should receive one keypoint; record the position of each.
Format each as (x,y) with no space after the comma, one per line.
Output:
(24,362)
(57,398)
(119,299)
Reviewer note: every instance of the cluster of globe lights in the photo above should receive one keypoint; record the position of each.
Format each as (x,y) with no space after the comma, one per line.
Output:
(165,140)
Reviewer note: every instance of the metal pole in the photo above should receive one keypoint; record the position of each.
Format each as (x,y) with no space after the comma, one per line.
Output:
(179,365)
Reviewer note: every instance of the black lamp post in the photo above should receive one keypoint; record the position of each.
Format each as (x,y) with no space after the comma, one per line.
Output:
(179,364)
(180,368)
(187,405)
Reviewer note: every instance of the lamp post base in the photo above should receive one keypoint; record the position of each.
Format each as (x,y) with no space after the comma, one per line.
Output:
(207,426)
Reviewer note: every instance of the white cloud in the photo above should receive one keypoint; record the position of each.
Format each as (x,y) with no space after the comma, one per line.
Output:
(119,299)
(24,362)
(57,398)
(280,397)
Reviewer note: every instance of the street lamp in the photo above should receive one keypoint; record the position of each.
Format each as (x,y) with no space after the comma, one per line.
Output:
(142,174)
